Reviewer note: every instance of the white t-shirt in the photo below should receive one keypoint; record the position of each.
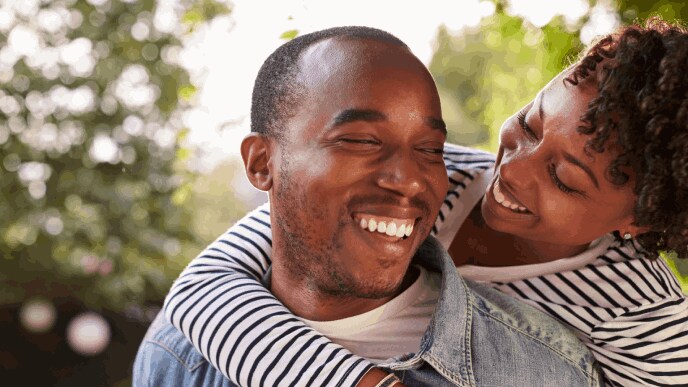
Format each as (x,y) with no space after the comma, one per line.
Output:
(520,272)
(392,329)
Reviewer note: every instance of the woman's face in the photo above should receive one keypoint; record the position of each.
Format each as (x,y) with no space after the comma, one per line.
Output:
(546,187)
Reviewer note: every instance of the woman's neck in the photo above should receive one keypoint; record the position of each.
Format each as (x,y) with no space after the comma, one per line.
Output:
(477,244)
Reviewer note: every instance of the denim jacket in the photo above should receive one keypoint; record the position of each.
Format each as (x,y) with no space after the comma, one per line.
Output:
(477,337)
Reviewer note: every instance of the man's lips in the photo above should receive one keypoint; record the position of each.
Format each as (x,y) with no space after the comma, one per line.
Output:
(390,226)
(388,220)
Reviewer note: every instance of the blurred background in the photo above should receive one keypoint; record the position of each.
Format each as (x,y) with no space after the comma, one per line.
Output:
(120,122)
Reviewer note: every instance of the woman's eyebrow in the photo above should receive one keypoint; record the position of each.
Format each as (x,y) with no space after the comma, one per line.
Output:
(570,158)
(567,156)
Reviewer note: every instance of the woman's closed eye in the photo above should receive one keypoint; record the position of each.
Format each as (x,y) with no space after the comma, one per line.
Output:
(524,125)
(555,179)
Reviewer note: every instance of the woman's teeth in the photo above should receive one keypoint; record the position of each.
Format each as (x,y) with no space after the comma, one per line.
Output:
(501,199)
(389,227)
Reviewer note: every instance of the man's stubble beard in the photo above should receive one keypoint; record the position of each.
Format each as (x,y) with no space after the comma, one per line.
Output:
(311,261)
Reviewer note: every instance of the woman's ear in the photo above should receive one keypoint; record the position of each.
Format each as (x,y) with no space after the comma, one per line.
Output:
(632,229)
(256,150)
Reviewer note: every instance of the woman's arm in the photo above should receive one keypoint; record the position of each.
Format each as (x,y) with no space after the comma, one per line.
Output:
(221,306)
(646,345)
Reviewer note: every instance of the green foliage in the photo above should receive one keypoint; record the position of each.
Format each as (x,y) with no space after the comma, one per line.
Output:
(202,10)
(679,267)
(634,10)
(484,75)
(289,35)
(90,175)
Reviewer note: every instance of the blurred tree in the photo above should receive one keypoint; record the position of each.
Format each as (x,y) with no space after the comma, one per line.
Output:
(632,10)
(486,74)
(92,177)
(96,202)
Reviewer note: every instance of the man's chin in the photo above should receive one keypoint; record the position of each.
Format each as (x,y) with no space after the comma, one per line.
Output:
(371,287)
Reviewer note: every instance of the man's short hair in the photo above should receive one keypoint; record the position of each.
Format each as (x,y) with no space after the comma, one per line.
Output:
(276,93)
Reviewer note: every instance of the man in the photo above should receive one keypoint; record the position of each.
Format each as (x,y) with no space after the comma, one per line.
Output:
(348,141)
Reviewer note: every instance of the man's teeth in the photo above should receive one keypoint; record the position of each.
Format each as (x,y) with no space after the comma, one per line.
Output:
(382,227)
(501,199)
(390,228)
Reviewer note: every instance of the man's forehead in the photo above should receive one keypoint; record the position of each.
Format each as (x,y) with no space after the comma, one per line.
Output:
(346,56)
(347,46)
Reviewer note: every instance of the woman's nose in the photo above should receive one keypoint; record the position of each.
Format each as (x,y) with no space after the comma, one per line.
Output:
(521,168)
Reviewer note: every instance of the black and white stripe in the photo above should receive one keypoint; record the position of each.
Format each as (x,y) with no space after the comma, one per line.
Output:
(233,321)
(463,164)
(629,311)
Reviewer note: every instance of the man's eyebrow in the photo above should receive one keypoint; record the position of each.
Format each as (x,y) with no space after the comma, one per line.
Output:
(540,109)
(569,157)
(369,115)
(353,115)
(437,123)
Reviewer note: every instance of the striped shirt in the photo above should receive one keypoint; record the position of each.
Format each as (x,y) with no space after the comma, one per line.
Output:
(628,310)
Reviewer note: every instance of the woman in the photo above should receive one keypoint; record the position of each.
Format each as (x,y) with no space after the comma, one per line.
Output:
(589,183)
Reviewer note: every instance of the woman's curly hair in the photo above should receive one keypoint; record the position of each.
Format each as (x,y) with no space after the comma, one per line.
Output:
(642,79)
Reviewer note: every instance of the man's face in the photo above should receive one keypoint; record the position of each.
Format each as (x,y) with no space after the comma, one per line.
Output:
(364,148)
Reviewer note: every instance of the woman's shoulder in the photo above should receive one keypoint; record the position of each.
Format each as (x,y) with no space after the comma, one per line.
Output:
(469,158)
(464,164)
(627,264)
(469,172)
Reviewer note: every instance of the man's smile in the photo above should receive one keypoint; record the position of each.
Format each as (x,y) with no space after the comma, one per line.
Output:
(385,225)
(388,220)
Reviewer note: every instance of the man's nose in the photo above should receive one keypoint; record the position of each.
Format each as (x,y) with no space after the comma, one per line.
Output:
(401,174)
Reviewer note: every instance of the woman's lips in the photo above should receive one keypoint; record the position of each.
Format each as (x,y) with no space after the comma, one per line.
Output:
(506,199)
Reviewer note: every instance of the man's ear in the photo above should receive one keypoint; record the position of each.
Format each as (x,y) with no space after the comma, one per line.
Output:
(256,150)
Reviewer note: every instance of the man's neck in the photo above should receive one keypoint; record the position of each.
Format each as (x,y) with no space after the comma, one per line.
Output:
(305,300)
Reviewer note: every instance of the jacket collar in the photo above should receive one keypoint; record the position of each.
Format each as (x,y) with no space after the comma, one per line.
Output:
(446,343)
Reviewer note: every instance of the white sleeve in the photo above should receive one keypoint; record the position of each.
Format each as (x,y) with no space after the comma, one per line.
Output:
(220,305)
(469,172)
(645,346)
(627,309)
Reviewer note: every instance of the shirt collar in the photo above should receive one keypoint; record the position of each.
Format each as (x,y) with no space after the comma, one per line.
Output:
(267,278)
